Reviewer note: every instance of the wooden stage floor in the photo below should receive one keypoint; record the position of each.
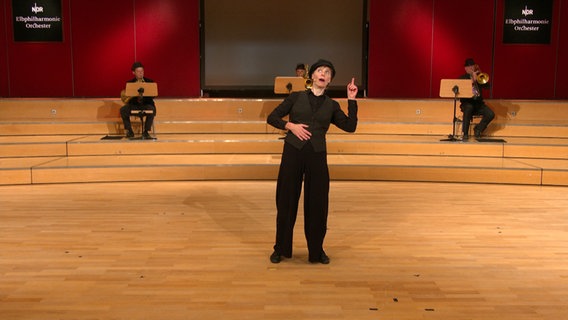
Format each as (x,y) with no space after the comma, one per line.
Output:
(199,250)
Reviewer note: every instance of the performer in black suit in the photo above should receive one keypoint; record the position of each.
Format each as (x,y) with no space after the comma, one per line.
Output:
(138,103)
(304,158)
(475,106)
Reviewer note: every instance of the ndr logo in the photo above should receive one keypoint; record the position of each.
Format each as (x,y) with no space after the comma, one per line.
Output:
(36,9)
(527,12)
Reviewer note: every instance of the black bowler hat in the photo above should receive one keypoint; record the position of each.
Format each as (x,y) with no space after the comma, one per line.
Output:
(320,63)
(469,62)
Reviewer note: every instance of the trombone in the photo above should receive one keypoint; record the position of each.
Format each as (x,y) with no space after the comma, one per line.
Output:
(482,77)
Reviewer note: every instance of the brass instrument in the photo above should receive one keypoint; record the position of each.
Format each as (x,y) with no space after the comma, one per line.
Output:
(309,82)
(125,99)
(482,77)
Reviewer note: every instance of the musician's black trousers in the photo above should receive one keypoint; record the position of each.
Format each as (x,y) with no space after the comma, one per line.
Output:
(470,109)
(311,167)
(125,115)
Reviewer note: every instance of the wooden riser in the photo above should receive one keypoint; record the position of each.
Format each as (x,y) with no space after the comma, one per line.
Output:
(265,167)
(50,146)
(58,128)
(433,116)
(260,172)
(260,127)
(19,170)
(383,110)
(59,141)
(15,176)
(155,173)
(34,150)
(433,174)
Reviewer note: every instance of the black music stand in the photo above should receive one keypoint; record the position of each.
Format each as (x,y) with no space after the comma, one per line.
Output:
(455,88)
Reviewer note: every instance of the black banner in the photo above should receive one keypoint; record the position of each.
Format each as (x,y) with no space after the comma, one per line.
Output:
(527,21)
(37,20)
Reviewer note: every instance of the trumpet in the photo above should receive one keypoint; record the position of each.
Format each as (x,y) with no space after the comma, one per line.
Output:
(482,77)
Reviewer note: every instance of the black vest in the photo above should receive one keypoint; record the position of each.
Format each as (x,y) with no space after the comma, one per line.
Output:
(318,122)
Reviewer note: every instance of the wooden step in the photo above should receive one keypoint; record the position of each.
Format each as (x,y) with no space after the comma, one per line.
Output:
(19,170)
(376,116)
(265,167)
(34,146)
(59,141)
(558,130)
(382,110)
(73,145)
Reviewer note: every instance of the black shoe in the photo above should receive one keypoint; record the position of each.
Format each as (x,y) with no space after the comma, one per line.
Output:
(146,135)
(465,137)
(323,259)
(275,257)
(129,134)
(477,132)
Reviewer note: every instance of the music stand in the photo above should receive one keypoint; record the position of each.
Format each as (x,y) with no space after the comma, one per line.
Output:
(139,90)
(455,88)
(289,84)
(150,89)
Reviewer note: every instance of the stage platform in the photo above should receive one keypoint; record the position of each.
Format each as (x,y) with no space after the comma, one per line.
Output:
(46,141)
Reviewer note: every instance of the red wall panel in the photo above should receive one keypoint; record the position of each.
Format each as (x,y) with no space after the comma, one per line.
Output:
(412,45)
(400,50)
(4,75)
(101,41)
(455,39)
(524,71)
(167,38)
(103,46)
(163,35)
(40,69)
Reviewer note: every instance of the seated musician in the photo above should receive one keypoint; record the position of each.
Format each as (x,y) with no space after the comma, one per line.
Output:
(301,70)
(138,103)
(475,105)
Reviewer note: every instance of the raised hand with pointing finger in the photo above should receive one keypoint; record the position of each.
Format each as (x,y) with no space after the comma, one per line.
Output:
(352,89)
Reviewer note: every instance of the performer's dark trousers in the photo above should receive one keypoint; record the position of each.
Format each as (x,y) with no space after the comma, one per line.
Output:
(311,167)
(125,115)
(470,109)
